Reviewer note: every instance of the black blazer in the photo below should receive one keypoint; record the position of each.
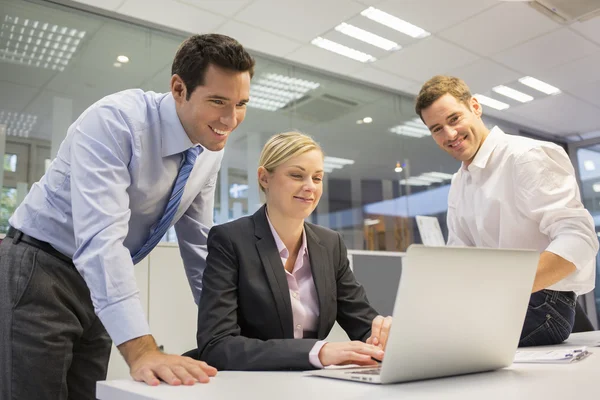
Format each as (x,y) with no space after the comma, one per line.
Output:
(245,319)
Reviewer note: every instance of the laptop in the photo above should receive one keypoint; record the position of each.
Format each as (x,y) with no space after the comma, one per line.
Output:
(458,310)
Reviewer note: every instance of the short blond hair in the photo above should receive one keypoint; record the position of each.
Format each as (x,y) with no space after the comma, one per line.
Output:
(437,87)
(281,147)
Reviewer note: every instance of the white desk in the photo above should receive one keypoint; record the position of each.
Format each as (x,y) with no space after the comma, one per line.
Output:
(520,381)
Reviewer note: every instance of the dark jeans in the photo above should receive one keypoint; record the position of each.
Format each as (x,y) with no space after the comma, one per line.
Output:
(550,317)
(52,345)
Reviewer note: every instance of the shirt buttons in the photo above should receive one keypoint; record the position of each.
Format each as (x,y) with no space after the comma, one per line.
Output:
(298,326)
(295,295)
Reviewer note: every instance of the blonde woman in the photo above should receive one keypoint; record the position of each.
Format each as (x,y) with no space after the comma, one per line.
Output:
(274,284)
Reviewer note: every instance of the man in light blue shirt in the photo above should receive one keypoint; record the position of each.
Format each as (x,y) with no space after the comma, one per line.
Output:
(131,165)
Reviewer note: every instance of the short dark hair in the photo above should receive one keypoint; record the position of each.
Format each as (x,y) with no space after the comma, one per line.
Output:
(197,52)
(437,87)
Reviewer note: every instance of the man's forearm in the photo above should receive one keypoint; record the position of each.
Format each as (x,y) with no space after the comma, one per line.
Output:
(134,348)
(552,269)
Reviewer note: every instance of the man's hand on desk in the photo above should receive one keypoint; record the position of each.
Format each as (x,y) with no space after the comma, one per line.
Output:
(380,331)
(148,364)
(355,352)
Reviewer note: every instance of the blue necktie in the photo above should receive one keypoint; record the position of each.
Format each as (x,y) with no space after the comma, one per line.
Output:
(163,225)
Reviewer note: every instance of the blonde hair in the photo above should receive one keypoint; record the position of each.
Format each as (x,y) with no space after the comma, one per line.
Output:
(280,148)
(437,87)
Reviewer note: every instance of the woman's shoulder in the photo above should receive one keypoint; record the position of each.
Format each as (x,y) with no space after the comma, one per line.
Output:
(242,224)
(323,233)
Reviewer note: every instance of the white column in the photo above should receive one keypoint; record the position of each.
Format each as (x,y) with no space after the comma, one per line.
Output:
(22,189)
(62,117)
(255,144)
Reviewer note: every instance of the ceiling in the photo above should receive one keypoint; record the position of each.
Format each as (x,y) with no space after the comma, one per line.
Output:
(466,41)
(485,42)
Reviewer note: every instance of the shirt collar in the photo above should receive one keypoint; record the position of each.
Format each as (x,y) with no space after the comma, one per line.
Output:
(174,140)
(485,151)
(283,251)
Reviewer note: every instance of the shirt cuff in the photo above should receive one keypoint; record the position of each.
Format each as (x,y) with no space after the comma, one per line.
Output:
(574,249)
(125,320)
(313,356)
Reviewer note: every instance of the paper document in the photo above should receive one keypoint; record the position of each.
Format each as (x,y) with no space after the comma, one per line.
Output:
(561,355)
(430,231)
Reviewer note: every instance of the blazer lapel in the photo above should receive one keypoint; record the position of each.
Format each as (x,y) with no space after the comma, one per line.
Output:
(267,250)
(319,265)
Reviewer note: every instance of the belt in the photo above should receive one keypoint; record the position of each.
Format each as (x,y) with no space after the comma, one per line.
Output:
(18,236)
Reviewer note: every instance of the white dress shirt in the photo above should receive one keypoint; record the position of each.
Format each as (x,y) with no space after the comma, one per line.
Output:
(522,193)
(108,187)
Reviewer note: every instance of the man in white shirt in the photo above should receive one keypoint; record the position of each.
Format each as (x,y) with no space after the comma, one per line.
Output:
(515,192)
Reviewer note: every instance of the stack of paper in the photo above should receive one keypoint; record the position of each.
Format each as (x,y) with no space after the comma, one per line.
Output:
(560,355)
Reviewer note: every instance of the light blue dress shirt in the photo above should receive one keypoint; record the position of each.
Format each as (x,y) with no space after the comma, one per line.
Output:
(106,190)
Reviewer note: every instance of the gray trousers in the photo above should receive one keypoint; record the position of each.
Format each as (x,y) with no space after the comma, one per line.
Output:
(52,345)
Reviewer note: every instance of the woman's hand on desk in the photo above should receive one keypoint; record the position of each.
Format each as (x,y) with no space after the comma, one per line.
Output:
(380,331)
(355,352)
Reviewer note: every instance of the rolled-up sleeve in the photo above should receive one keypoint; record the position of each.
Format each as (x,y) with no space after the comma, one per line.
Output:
(100,154)
(547,192)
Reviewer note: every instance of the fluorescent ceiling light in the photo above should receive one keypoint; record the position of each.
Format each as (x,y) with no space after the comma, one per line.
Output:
(441,175)
(488,101)
(395,23)
(367,37)
(589,165)
(413,128)
(539,85)
(37,44)
(596,187)
(17,124)
(512,93)
(272,92)
(123,59)
(367,120)
(337,161)
(342,50)
(331,163)
(412,181)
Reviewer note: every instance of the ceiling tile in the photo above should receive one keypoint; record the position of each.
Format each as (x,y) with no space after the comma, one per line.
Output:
(20,96)
(227,8)
(589,28)
(425,59)
(588,92)
(435,15)
(173,15)
(258,39)
(316,57)
(383,79)
(105,4)
(300,20)
(555,48)
(484,74)
(565,113)
(575,73)
(483,34)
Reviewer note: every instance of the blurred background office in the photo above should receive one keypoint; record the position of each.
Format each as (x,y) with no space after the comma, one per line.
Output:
(344,71)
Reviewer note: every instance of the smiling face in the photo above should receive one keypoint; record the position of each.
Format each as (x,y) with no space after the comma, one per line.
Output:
(215,108)
(456,128)
(293,189)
